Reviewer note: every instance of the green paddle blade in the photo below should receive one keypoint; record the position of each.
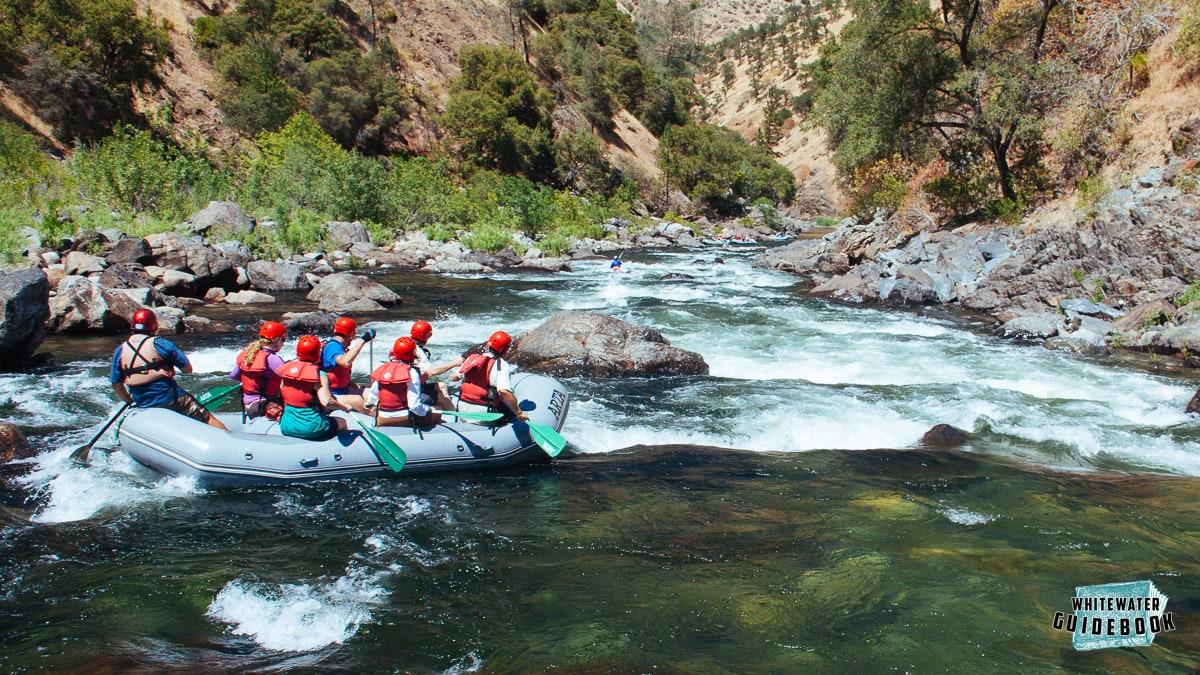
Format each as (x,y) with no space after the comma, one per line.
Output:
(391,454)
(481,416)
(215,397)
(547,438)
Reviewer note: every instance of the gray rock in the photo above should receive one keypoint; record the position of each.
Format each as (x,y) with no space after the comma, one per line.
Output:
(1087,307)
(360,306)
(237,253)
(82,305)
(336,291)
(588,344)
(547,264)
(1037,326)
(1153,313)
(342,234)
(272,277)
(207,266)
(130,250)
(24,308)
(309,323)
(204,325)
(221,215)
(248,298)
(848,287)
(78,262)
(170,320)
(126,275)
(1083,342)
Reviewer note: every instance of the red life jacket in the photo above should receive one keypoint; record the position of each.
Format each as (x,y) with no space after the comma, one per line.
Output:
(339,376)
(258,378)
(301,380)
(476,387)
(149,370)
(393,378)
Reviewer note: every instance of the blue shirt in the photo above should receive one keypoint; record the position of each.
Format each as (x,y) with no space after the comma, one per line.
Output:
(160,392)
(329,355)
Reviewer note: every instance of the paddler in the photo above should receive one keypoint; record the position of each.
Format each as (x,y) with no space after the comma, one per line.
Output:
(307,395)
(258,368)
(337,359)
(395,393)
(486,382)
(143,371)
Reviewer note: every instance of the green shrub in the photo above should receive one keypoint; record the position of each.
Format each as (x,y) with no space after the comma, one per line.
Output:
(1092,190)
(131,172)
(488,237)
(301,167)
(28,178)
(717,168)
(12,239)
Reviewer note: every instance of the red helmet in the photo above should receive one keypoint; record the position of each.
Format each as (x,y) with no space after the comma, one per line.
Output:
(272,330)
(308,348)
(499,342)
(345,327)
(404,349)
(422,331)
(144,320)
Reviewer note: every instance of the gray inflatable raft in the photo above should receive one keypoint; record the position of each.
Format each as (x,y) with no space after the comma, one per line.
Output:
(257,454)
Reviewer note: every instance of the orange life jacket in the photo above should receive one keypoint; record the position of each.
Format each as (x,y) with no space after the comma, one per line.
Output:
(393,378)
(301,380)
(258,378)
(476,387)
(149,370)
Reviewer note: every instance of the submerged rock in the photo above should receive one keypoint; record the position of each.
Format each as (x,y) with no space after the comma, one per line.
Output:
(337,291)
(945,436)
(573,344)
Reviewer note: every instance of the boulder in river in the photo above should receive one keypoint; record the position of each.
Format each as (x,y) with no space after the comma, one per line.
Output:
(271,277)
(336,291)
(575,343)
(13,444)
(24,308)
(945,436)
(82,304)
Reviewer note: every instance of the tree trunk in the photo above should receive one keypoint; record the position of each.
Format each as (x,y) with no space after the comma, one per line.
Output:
(999,147)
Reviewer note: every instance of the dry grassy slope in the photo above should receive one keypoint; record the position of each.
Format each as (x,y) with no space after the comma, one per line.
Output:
(801,149)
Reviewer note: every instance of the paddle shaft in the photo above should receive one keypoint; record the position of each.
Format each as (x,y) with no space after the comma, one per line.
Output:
(81,454)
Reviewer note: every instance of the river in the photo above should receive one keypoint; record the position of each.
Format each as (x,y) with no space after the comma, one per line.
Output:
(775,516)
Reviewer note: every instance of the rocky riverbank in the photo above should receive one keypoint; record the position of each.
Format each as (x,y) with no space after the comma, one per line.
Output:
(1118,275)
(94,281)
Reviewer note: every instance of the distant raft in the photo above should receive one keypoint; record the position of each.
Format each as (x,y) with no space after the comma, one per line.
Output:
(256,453)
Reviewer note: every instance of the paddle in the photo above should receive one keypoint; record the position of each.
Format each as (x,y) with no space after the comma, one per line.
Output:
(391,454)
(481,416)
(81,453)
(216,397)
(547,438)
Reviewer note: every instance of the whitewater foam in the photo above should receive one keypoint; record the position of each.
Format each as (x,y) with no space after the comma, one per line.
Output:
(300,617)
